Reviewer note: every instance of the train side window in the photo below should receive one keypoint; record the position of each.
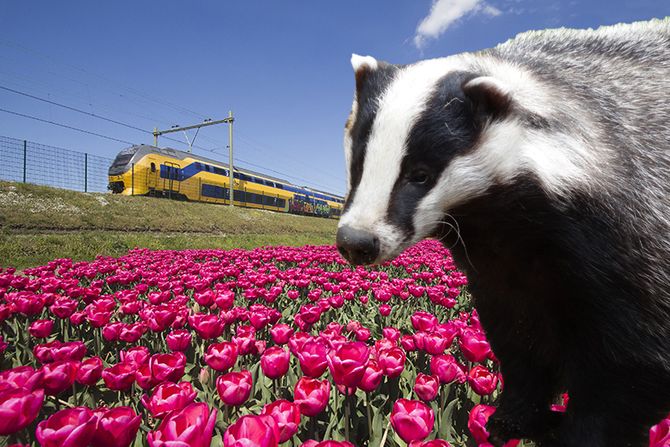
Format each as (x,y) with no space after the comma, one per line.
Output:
(153,167)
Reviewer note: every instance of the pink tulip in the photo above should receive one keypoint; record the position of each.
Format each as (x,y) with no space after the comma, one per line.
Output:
(372,377)
(249,430)
(391,333)
(477,420)
(167,367)
(412,420)
(447,369)
(275,362)
(426,387)
(119,377)
(59,376)
(482,381)
(90,371)
(19,407)
(659,434)
(281,333)
(392,362)
(311,395)
(207,326)
(407,342)
(423,321)
(347,363)
(116,427)
(474,346)
(287,416)
(41,328)
(168,397)
(136,356)
(72,427)
(313,358)
(20,377)
(221,356)
(192,426)
(178,340)
(234,387)
(385,310)
(434,343)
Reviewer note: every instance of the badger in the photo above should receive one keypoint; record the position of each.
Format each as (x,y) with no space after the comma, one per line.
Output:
(544,165)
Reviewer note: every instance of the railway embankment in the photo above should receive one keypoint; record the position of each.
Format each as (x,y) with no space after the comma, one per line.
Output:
(39,223)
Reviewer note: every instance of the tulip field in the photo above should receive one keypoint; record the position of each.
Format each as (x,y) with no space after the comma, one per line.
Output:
(265,347)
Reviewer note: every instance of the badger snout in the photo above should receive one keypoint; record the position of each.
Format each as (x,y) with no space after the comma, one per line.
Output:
(357,246)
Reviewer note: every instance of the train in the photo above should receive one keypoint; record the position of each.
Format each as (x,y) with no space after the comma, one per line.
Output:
(171,173)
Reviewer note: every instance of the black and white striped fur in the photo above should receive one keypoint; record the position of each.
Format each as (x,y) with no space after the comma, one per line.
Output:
(544,163)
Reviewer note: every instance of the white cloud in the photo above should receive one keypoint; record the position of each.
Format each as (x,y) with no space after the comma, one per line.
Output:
(444,13)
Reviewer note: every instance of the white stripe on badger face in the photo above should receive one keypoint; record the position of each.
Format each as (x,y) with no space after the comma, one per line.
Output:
(399,107)
(347,139)
(508,149)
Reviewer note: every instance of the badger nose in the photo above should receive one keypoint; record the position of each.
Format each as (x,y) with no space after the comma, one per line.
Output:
(357,246)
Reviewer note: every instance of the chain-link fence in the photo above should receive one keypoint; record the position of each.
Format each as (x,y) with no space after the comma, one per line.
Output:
(28,162)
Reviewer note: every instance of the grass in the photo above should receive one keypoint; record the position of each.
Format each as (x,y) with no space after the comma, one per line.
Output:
(39,223)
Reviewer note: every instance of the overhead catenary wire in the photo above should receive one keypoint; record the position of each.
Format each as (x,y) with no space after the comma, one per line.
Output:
(65,126)
(133,91)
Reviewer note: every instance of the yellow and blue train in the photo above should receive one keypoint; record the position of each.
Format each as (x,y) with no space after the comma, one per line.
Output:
(165,172)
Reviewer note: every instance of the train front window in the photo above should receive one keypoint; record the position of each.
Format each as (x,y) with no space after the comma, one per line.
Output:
(122,159)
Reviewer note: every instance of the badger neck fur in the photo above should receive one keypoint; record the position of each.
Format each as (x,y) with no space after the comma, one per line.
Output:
(544,164)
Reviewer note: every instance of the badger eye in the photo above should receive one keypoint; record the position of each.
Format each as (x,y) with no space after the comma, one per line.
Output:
(419,177)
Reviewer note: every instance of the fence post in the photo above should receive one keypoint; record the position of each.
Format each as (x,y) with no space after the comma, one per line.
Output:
(132,180)
(25,159)
(85,172)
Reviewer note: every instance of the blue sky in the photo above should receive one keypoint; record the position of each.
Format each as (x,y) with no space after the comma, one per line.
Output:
(282,67)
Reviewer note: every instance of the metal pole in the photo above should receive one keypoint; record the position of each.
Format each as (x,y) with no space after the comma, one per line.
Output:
(230,154)
(25,159)
(85,172)
(155,136)
(132,181)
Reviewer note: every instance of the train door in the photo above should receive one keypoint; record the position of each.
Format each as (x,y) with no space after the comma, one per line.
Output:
(171,179)
(152,178)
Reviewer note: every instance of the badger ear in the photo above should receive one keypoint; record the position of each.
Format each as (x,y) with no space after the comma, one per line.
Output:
(491,98)
(363,66)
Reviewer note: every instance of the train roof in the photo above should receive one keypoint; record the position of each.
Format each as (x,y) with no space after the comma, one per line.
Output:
(143,149)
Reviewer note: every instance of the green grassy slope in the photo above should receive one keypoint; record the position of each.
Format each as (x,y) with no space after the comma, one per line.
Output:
(39,223)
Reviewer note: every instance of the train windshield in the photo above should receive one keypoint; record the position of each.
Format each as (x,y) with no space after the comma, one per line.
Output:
(122,160)
(124,156)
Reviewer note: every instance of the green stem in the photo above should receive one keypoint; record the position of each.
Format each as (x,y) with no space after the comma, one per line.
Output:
(369,414)
(386,432)
(347,413)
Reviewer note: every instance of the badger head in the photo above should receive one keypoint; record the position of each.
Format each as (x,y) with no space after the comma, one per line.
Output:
(424,138)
